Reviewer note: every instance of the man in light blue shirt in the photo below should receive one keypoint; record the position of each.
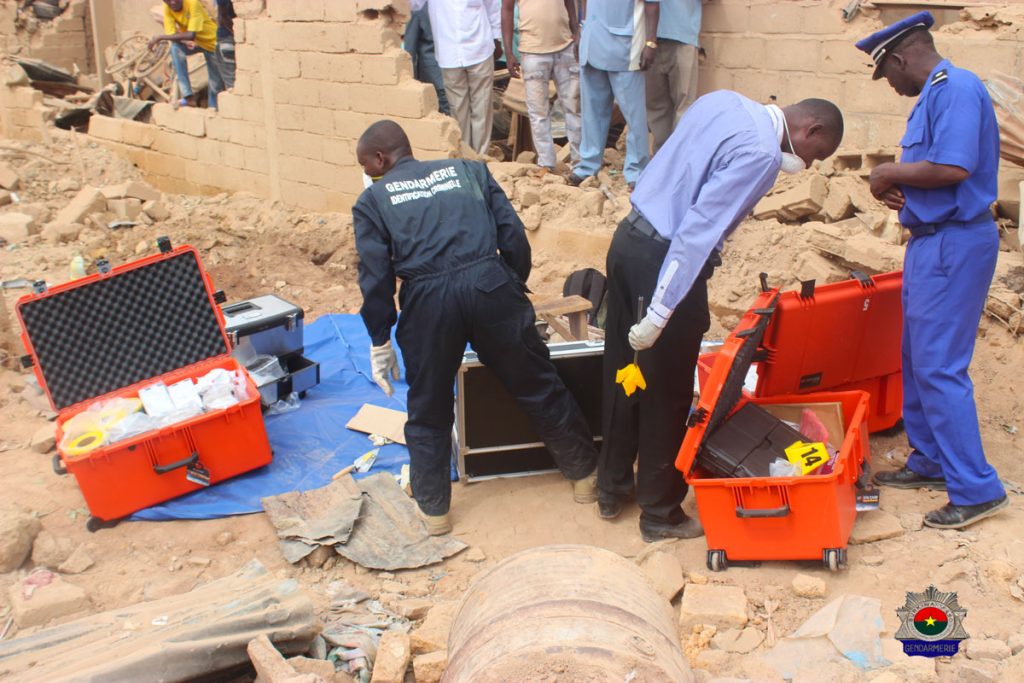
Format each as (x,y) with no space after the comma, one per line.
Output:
(672,80)
(722,158)
(616,46)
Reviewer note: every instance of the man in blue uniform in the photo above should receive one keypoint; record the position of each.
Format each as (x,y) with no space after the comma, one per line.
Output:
(724,155)
(943,187)
(446,229)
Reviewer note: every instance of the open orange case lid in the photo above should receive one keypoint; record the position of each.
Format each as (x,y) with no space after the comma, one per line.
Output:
(724,386)
(121,326)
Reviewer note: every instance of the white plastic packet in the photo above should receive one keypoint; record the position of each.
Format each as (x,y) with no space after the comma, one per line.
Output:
(783,468)
(156,400)
(185,397)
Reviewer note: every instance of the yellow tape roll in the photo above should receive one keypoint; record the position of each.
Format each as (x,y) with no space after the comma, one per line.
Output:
(86,442)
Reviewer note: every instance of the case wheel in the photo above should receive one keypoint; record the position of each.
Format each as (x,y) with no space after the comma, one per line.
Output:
(58,466)
(94,524)
(834,559)
(717,561)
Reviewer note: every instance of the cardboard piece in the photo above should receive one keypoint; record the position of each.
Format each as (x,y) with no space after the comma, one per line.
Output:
(382,421)
(830,414)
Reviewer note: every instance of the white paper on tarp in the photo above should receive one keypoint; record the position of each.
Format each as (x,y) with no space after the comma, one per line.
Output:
(850,626)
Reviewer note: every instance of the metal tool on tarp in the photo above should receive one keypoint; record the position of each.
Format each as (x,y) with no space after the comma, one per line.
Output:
(630,376)
(361,464)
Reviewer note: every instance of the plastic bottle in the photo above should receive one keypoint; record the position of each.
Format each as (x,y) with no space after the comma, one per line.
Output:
(77,266)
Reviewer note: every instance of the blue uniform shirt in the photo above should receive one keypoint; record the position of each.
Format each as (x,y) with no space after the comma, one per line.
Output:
(680,21)
(613,34)
(721,159)
(952,123)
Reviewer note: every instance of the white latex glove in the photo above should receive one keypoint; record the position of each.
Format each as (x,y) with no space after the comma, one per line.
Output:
(643,335)
(385,366)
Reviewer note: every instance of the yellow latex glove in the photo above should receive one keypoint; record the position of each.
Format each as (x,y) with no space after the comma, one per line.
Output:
(631,379)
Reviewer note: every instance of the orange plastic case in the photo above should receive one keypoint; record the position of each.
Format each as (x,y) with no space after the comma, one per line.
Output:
(772,518)
(107,335)
(843,336)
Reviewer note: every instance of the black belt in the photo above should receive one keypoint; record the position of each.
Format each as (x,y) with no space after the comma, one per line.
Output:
(644,227)
(932,228)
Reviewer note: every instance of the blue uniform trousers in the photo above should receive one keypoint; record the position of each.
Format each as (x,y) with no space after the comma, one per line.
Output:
(599,90)
(945,281)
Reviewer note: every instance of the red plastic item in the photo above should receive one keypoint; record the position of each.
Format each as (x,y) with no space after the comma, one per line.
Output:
(774,518)
(844,336)
(121,478)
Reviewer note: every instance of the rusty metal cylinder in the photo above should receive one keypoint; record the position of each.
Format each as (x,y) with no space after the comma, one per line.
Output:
(566,613)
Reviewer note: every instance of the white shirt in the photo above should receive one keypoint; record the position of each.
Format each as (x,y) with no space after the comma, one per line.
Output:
(464,30)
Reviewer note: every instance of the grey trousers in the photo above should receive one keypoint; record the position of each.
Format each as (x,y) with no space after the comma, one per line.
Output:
(671,87)
(469,96)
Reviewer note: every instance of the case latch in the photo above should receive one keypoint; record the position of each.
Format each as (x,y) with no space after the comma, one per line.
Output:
(863,278)
(102,265)
(26,361)
(291,321)
(220,297)
(164,243)
(763,277)
(39,286)
(698,416)
(807,289)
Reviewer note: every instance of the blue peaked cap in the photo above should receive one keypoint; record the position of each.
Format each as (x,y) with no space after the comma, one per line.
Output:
(881,43)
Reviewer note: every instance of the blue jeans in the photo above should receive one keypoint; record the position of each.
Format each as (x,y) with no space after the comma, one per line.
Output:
(179,54)
(599,90)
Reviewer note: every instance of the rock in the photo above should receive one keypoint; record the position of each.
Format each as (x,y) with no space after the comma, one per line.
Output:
(319,556)
(875,525)
(317,667)
(199,561)
(475,554)
(44,440)
(527,157)
(393,587)
(873,560)
(697,578)
(156,211)
(803,200)
(977,672)
(270,665)
(18,529)
(136,189)
(664,573)
(414,608)
(50,550)
(736,640)
(552,179)
(56,233)
(8,178)
(509,169)
(430,667)
(127,209)
(78,562)
(838,205)
(17,227)
(532,217)
(1016,643)
(89,200)
(392,660)
(912,521)
(225,538)
(591,203)
(432,634)
(43,603)
(528,198)
(987,648)
(810,265)
(590,183)
(807,586)
(711,604)
(67,185)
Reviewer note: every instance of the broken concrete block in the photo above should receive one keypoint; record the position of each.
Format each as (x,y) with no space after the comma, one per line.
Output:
(414,608)
(838,205)
(88,200)
(429,668)
(127,209)
(987,648)
(854,247)
(798,202)
(79,562)
(432,634)
(18,529)
(8,178)
(664,573)
(135,189)
(392,660)
(156,210)
(50,550)
(714,605)
(317,667)
(270,664)
(17,227)
(33,604)
(807,586)
(57,233)
(528,198)
(533,217)
(591,203)
(810,265)
(44,440)
(738,641)
(875,525)
(475,554)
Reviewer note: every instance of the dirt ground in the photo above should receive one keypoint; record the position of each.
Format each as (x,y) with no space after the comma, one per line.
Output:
(252,246)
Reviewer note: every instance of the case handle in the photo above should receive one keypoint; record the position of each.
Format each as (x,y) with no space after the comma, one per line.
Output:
(746,513)
(187,462)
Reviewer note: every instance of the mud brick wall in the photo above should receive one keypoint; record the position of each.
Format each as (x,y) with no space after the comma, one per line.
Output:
(312,74)
(65,41)
(22,115)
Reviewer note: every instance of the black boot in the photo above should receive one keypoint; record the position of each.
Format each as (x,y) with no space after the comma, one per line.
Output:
(908,479)
(654,531)
(951,516)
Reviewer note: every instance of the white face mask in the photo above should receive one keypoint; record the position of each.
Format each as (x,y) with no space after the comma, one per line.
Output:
(791,163)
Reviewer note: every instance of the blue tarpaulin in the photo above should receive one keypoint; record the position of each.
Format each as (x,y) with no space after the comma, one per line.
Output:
(310,444)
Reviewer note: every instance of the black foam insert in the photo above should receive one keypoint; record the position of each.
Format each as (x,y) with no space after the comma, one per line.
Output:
(125,328)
